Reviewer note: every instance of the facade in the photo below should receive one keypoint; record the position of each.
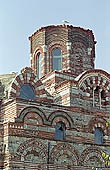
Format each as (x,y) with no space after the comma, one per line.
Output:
(55,114)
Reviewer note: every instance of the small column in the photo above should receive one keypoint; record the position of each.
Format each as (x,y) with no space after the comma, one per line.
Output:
(100,98)
(44,60)
(68,55)
(93,95)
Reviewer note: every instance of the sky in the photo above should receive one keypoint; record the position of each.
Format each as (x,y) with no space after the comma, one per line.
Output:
(20,18)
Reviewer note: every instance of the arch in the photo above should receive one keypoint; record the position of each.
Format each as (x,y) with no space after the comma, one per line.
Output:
(64,153)
(33,119)
(92,156)
(95,85)
(51,47)
(98,122)
(60,114)
(32,146)
(34,60)
(96,76)
(26,77)
(94,82)
(56,44)
(27,110)
(60,119)
(37,50)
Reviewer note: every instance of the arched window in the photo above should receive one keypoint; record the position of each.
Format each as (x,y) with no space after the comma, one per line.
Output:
(57,59)
(39,56)
(98,135)
(60,131)
(27,92)
(99,97)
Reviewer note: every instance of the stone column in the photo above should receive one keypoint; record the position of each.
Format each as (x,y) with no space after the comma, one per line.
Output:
(44,60)
(68,44)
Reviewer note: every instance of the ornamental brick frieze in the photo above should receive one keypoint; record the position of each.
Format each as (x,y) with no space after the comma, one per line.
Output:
(64,153)
(34,147)
(23,132)
(79,49)
(92,156)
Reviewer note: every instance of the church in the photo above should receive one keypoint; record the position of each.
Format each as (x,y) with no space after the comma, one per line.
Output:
(55,114)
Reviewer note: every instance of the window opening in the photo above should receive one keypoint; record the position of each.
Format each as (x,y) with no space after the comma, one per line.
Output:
(97,90)
(97,97)
(57,59)
(27,92)
(98,135)
(39,56)
(103,94)
(60,131)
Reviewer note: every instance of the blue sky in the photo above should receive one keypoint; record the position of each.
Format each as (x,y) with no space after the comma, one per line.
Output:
(20,18)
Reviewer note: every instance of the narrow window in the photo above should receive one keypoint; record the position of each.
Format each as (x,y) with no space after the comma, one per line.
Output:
(39,56)
(60,131)
(103,94)
(97,91)
(57,59)
(96,97)
(27,92)
(98,135)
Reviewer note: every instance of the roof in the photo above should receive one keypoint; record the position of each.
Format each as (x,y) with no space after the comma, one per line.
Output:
(47,28)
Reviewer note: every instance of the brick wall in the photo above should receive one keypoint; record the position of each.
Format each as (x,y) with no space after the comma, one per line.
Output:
(74,43)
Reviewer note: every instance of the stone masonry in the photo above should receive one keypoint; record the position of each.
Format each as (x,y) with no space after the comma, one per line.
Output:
(77,97)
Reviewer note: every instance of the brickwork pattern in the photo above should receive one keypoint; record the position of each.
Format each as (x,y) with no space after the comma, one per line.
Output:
(74,43)
(72,96)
